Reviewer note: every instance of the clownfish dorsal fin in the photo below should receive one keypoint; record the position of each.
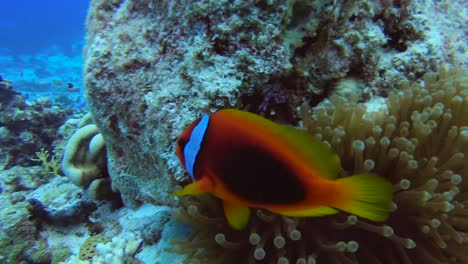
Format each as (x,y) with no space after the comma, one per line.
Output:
(311,211)
(237,215)
(196,188)
(317,152)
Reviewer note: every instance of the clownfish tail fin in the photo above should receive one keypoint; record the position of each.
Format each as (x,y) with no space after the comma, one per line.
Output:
(365,195)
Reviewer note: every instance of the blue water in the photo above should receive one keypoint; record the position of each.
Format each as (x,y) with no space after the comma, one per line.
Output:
(41,46)
(31,26)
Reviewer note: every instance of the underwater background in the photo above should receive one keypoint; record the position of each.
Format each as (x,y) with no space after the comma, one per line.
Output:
(94,94)
(42,45)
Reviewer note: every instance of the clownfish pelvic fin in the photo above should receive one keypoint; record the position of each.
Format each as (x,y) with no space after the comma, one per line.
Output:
(237,215)
(196,188)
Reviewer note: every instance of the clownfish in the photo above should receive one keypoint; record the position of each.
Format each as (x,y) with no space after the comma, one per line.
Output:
(248,161)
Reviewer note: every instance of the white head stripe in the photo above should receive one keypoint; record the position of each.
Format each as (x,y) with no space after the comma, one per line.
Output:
(194,144)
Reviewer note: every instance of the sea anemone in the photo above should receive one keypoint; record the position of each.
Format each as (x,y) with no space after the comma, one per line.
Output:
(418,140)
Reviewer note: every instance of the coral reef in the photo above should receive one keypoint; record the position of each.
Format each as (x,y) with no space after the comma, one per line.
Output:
(52,165)
(7,93)
(19,179)
(84,158)
(22,236)
(25,234)
(25,129)
(85,161)
(159,65)
(88,248)
(77,212)
(418,140)
(67,129)
(152,67)
(18,234)
(120,250)
(96,249)
(60,254)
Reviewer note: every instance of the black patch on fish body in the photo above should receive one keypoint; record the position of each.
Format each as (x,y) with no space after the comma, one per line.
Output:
(257,176)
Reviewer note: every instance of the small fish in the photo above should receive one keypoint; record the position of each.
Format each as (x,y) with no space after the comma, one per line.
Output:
(251,162)
(72,88)
(57,82)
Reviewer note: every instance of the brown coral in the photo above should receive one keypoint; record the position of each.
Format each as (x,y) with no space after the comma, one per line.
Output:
(85,161)
(88,248)
(418,141)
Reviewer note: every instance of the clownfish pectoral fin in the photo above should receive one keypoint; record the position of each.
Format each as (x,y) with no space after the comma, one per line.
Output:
(237,215)
(195,188)
(305,212)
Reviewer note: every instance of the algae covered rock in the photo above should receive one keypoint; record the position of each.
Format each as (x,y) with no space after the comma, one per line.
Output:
(152,67)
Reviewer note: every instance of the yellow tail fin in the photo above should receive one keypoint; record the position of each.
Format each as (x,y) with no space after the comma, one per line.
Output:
(367,196)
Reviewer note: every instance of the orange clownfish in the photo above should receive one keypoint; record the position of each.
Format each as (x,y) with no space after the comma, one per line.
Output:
(249,161)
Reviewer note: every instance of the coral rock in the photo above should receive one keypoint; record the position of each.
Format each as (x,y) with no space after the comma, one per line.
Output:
(152,67)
